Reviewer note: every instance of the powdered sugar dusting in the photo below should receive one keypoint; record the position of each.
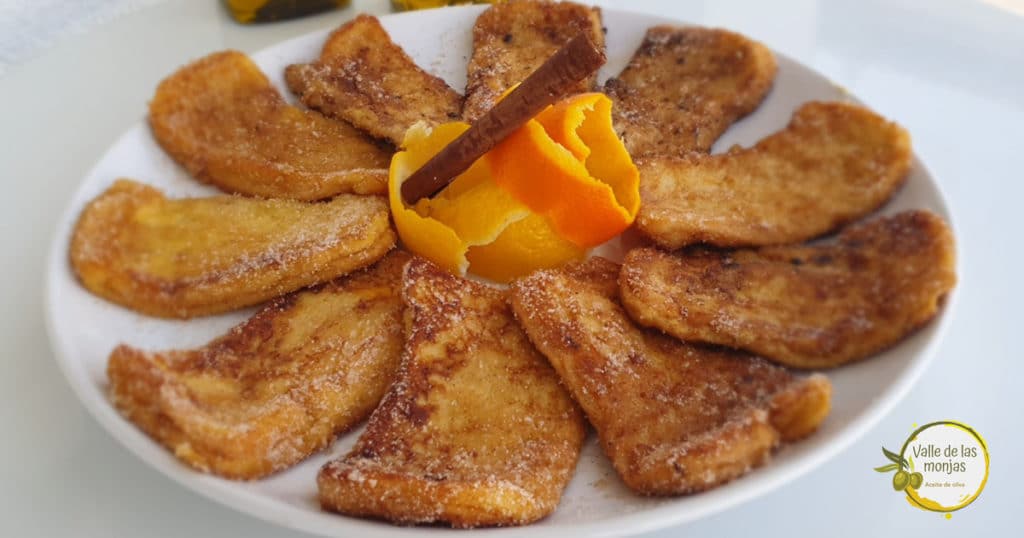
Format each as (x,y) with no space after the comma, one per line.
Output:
(276,388)
(672,417)
(804,306)
(195,256)
(475,431)
(223,121)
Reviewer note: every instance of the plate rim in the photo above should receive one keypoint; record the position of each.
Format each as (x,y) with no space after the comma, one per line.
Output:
(328,524)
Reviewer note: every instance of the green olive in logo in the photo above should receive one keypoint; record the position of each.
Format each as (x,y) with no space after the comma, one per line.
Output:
(916,479)
(900,480)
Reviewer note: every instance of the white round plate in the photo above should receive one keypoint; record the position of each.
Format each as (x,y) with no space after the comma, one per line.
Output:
(84,328)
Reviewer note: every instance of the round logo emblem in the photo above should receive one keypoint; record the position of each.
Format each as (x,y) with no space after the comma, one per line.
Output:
(942,467)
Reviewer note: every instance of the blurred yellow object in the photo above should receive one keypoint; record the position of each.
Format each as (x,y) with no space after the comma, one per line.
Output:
(406,5)
(247,11)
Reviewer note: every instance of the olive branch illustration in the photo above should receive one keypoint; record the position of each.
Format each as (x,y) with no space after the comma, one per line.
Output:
(903,477)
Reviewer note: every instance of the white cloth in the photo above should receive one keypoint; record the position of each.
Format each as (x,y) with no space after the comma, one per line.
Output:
(28,27)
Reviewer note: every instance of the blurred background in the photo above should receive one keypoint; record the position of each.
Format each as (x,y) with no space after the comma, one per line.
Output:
(29,27)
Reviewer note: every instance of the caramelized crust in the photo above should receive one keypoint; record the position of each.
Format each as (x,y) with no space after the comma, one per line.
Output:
(475,431)
(802,306)
(672,417)
(832,164)
(223,121)
(199,256)
(276,388)
(512,39)
(685,86)
(364,78)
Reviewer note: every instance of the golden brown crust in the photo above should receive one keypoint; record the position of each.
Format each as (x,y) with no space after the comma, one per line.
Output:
(199,256)
(366,79)
(512,39)
(672,417)
(685,86)
(223,121)
(802,306)
(276,388)
(475,431)
(832,164)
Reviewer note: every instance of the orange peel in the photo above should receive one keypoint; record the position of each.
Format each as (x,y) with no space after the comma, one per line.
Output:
(568,165)
(560,184)
(473,224)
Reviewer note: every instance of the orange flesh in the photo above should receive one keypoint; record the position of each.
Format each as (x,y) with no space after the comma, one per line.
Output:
(559,185)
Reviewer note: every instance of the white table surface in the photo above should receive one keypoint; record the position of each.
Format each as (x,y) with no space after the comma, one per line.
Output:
(952,72)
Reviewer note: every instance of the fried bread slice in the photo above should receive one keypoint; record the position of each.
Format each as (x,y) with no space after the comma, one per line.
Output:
(276,388)
(364,78)
(672,417)
(223,121)
(512,39)
(192,257)
(685,86)
(475,431)
(803,306)
(832,164)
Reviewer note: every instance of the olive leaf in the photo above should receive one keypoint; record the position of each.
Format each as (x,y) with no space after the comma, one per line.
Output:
(887,468)
(895,458)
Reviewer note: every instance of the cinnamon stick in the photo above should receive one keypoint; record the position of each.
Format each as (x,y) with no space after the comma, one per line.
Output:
(553,80)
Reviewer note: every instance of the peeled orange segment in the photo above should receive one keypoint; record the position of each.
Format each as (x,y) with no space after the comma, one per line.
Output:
(478,215)
(524,247)
(440,229)
(569,166)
